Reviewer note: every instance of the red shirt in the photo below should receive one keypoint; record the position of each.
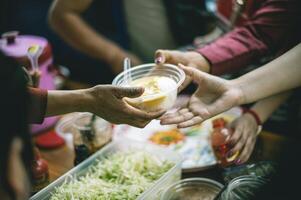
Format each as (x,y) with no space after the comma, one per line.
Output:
(266,27)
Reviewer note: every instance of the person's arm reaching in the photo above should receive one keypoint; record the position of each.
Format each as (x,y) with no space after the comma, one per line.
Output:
(274,21)
(65,19)
(103,100)
(246,126)
(216,95)
(279,75)
(37,106)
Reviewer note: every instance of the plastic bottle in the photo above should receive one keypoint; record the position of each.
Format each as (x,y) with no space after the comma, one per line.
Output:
(40,172)
(219,137)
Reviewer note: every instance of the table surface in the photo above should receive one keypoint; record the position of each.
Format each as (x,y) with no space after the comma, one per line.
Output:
(60,160)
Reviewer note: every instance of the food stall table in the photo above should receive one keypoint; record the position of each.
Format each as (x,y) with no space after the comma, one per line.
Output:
(61,160)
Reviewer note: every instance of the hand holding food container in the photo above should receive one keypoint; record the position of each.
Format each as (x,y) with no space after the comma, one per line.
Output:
(160,85)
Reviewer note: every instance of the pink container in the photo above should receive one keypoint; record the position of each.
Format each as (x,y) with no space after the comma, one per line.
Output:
(16,46)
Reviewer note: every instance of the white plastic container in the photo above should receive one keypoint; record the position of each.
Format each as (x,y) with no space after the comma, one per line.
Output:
(70,126)
(167,79)
(152,193)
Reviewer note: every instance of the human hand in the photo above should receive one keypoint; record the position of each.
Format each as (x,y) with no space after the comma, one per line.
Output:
(244,137)
(35,77)
(107,102)
(190,58)
(213,96)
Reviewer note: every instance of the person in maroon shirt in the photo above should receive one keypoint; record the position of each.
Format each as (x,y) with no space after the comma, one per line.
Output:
(255,30)
(265,27)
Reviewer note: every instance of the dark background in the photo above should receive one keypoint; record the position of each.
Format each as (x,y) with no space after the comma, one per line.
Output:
(29,17)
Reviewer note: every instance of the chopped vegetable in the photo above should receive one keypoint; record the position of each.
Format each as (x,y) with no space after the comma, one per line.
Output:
(168,137)
(121,176)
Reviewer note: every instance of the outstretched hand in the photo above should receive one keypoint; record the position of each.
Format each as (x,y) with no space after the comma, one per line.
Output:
(107,102)
(213,96)
(190,58)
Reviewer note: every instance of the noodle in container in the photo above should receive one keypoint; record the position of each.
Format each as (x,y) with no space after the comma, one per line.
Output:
(160,85)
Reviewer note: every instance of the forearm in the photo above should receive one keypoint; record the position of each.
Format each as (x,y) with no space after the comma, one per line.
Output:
(37,106)
(265,107)
(233,51)
(62,102)
(274,21)
(68,23)
(280,75)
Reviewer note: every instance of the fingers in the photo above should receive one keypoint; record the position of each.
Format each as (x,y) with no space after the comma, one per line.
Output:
(136,113)
(36,75)
(200,110)
(178,117)
(240,144)
(195,74)
(162,56)
(194,121)
(130,92)
(247,151)
(235,137)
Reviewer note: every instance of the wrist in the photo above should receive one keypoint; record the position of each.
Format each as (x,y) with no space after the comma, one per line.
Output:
(82,99)
(255,116)
(199,61)
(90,95)
(236,85)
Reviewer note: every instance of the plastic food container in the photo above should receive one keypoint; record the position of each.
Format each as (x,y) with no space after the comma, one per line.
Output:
(152,193)
(243,187)
(74,124)
(161,85)
(192,189)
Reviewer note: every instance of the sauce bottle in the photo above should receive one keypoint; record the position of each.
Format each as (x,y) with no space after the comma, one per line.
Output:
(40,172)
(219,137)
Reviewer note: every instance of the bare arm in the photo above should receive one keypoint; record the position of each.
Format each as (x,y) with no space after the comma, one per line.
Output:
(67,101)
(265,107)
(103,100)
(216,95)
(282,74)
(246,126)
(65,19)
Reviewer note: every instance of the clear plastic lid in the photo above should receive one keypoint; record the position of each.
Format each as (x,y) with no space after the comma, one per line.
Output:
(194,188)
(161,85)
(243,187)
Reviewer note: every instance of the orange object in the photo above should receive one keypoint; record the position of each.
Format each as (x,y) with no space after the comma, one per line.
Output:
(219,137)
(167,137)
(40,172)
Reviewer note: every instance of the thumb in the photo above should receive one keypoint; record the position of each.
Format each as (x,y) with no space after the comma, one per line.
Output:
(195,74)
(130,92)
(162,56)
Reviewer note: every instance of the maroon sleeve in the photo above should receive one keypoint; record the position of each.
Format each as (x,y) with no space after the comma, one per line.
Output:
(273,28)
(38,103)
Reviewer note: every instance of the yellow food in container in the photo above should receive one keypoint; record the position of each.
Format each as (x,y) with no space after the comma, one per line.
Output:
(160,86)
